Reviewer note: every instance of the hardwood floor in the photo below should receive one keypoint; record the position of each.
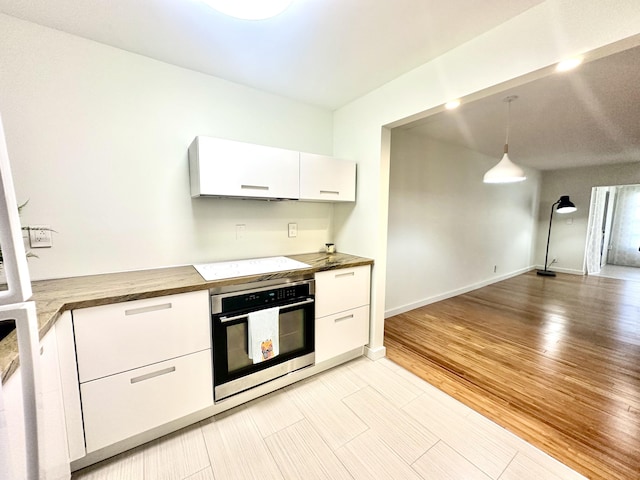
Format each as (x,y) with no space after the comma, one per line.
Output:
(554,360)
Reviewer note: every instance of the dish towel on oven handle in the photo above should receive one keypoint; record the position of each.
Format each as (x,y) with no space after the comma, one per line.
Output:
(264,334)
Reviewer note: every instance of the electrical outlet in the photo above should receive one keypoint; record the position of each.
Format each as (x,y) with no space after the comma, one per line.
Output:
(293,230)
(240,229)
(495,268)
(40,236)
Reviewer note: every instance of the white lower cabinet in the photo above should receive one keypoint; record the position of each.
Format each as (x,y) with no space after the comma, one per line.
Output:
(54,456)
(123,405)
(341,332)
(342,311)
(140,364)
(123,336)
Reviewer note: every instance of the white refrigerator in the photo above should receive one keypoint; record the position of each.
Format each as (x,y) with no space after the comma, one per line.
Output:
(15,305)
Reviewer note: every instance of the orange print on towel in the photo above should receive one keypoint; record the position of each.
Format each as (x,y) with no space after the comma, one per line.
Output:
(267,349)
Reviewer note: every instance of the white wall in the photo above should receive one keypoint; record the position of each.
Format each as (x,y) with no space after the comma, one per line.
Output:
(447,230)
(98,140)
(569,231)
(533,40)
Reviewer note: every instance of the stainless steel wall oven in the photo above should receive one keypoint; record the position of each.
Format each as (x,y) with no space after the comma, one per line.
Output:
(232,306)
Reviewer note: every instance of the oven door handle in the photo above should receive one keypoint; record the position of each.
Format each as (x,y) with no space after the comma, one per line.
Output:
(230,319)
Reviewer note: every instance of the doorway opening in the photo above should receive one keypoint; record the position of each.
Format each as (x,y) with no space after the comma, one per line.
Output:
(613,237)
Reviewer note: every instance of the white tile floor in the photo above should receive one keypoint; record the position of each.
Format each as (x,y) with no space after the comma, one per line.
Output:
(619,272)
(363,420)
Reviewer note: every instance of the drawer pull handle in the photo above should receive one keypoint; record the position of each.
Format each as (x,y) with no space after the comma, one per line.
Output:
(152,308)
(348,274)
(147,376)
(254,187)
(341,319)
(329,192)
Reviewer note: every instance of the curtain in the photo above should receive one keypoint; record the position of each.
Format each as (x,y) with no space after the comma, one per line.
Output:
(625,231)
(594,234)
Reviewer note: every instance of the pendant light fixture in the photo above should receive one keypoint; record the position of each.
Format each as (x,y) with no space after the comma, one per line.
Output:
(505,171)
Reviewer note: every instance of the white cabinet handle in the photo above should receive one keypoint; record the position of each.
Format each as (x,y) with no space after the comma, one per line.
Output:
(341,319)
(254,187)
(329,192)
(348,274)
(151,308)
(147,376)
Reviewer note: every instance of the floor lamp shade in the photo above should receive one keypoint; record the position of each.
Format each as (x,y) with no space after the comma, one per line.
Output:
(563,205)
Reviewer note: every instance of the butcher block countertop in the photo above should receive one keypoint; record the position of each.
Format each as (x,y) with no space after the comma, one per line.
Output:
(52,297)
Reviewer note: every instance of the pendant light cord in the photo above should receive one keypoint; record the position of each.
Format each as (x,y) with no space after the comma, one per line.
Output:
(508,100)
(506,142)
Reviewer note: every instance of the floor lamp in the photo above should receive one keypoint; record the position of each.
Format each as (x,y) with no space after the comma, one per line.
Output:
(564,205)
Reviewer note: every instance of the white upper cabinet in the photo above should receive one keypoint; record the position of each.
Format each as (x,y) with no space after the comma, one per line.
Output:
(226,168)
(327,179)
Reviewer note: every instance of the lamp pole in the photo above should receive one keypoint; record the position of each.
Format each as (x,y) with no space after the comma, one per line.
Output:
(545,272)
(565,205)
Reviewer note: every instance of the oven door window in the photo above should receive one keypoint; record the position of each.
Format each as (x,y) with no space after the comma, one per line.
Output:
(296,336)
(291,333)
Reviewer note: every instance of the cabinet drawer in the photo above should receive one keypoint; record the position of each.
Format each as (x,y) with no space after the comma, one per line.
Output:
(123,405)
(340,290)
(339,333)
(114,338)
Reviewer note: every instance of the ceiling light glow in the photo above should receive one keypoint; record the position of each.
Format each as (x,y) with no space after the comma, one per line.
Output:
(250,9)
(452,104)
(568,64)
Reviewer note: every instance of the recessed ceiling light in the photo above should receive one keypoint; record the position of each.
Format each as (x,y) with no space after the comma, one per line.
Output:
(568,64)
(250,9)
(450,105)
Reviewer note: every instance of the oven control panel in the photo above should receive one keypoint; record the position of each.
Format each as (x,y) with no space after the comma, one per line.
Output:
(273,296)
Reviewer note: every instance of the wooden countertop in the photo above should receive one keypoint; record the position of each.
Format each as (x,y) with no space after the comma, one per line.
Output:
(52,297)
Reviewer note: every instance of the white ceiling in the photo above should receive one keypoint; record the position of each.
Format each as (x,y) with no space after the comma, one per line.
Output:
(589,116)
(321,52)
(329,52)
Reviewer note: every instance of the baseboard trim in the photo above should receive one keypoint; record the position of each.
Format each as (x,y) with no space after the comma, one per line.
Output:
(375,353)
(453,293)
(570,271)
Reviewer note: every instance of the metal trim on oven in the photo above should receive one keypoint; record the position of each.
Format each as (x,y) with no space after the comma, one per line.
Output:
(263,376)
(219,293)
(241,287)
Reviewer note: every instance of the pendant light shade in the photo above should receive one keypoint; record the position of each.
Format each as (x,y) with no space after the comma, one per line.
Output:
(505,171)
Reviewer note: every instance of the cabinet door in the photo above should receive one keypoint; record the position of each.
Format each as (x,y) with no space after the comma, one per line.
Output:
(123,405)
(327,179)
(54,459)
(70,385)
(123,336)
(341,332)
(221,167)
(341,290)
